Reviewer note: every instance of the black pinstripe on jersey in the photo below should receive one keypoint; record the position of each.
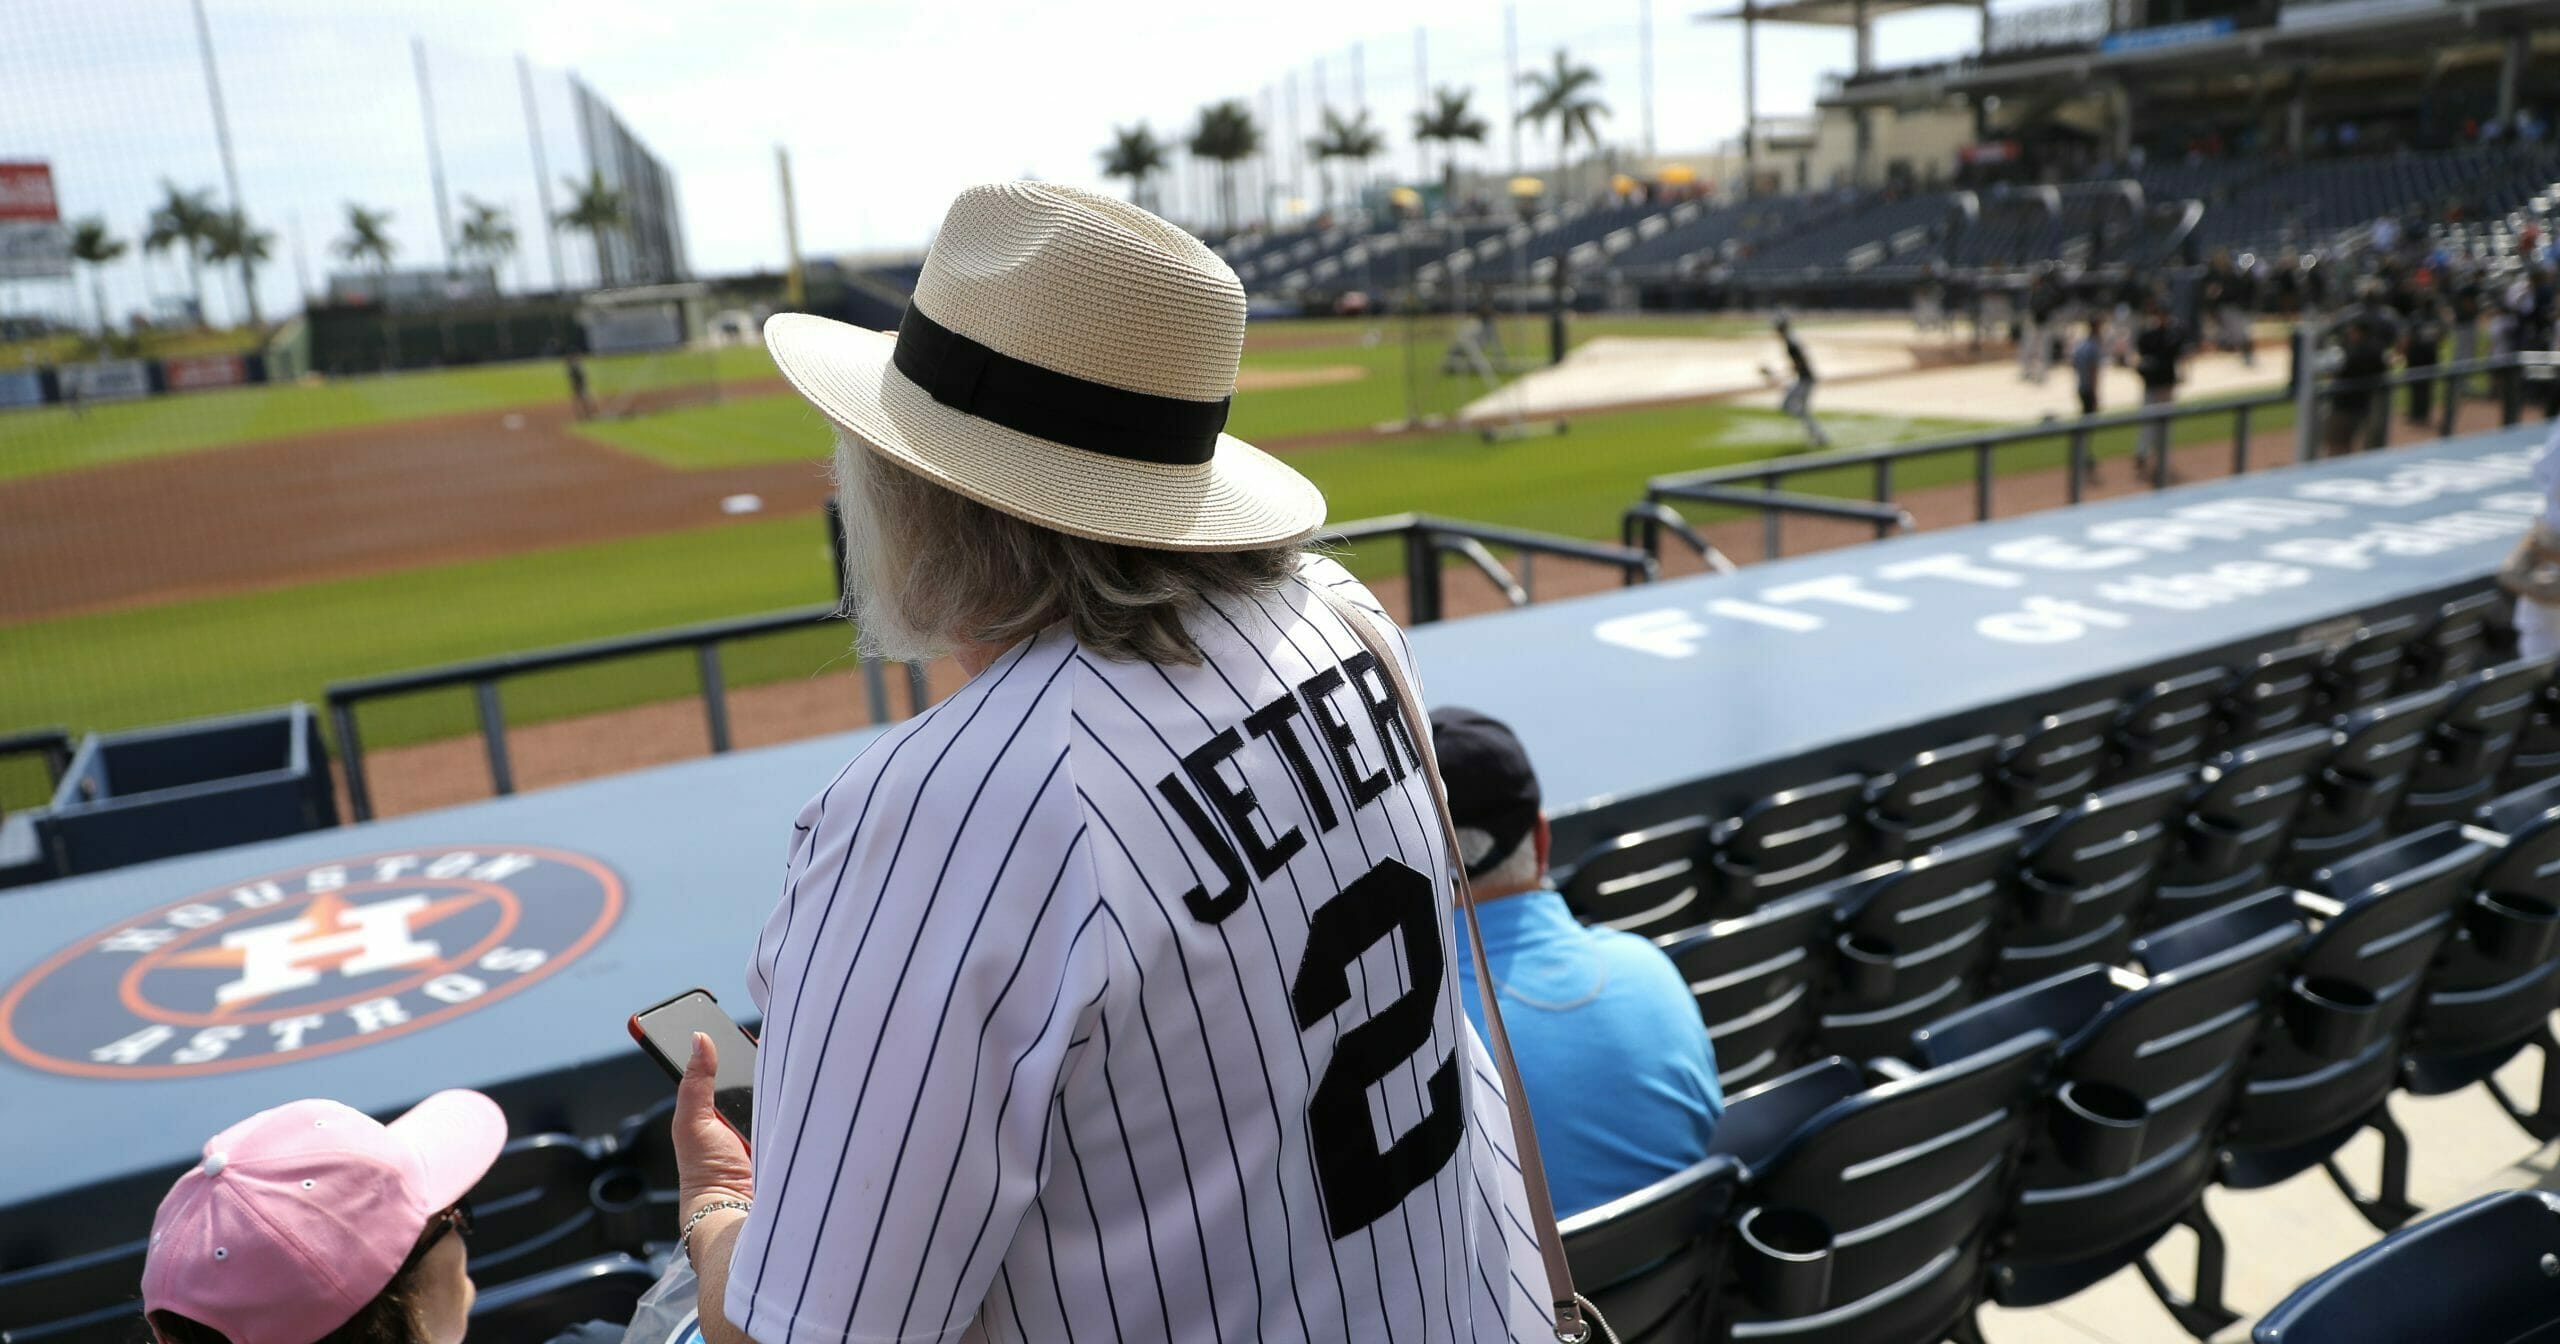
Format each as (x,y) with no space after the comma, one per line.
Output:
(1031,1066)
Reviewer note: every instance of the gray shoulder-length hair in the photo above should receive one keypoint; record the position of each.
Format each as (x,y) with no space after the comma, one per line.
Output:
(928,569)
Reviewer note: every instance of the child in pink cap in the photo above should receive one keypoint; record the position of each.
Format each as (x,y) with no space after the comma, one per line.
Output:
(315,1224)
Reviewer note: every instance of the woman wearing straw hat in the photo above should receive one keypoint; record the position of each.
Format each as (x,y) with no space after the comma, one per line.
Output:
(1109,998)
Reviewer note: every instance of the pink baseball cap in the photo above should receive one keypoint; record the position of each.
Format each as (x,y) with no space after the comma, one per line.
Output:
(299,1216)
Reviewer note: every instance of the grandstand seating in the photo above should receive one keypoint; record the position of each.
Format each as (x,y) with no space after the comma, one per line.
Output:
(2216,1026)
(1648,1259)
(2481,1273)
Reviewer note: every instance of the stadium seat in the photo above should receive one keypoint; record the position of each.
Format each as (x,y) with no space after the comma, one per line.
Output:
(2272,694)
(1786,842)
(1932,797)
(79,1299)
(1869,1210)
(2366,668)
(1650,1259)
(2480,1273)
(2469,748)
(2238,818)
(1647,882)
(2537,751)
(1756,979)
(2458,642)
(2127,1131)
(2360,784)
(2169,724)
(2084,878)
(1914,942)
(2328,1072)
(2482,1009)
(532,1211)
(2058,759)
(645,1148)
(530,1310)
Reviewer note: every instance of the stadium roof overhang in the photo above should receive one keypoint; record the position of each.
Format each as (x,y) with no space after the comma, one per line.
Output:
(1832,13)
(2251,48)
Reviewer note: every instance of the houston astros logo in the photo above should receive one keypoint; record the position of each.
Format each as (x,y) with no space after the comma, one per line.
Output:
(308,961)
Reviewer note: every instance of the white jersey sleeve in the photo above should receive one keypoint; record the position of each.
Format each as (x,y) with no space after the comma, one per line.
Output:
(924,979)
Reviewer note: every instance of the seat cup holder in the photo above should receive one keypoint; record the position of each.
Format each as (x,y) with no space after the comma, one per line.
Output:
(621,1199)
(1866,966)
(2331,1018)
(2215,850)
(2043,906)
(2514,930)
(1785,1261)
(2098,1128)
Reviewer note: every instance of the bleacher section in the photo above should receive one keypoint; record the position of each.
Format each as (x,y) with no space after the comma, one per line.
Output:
(2100,738)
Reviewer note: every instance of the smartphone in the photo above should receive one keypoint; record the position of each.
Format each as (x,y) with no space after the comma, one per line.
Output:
(666,1031)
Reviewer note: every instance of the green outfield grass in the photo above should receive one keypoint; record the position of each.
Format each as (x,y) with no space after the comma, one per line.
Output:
(185,659)
(46,439)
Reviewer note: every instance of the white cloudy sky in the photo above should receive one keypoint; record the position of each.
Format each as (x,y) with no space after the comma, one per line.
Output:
(886,108)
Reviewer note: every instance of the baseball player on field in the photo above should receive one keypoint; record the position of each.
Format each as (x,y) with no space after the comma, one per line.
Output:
(1111,998)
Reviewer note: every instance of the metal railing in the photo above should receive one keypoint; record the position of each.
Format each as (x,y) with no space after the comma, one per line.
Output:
(1761,486)
(484,675)
(1425,540)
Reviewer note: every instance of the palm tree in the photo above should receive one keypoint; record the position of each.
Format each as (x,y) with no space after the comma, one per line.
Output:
(1226,137)
(1136,154)
(1449,121)
(487,233)
(230,236)
(1566,95)
(366,241)
(598,209)
(93,245)
(1354,139)
(181,220)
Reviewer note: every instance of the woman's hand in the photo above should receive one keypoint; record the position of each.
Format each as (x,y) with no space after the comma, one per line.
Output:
(711,1160)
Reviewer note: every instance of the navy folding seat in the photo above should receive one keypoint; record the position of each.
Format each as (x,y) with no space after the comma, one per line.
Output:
(2460,767)
(2169,724)
(2458,642)
(1914,942)
(1931,798)
(1869,1210)
(604,1288)
(2367,667)
(2360,784)
(1650,1260)
(1787,842)
(2273,694)
(2498,980)
(2239,815)
(92,1298)
(2129,1121)
(2058,759)
(635,1188)
(2328,1072)
(533,1211)
(2084,878)
(1650,882)
(2536,756)
(2480,1273)
(1757,979)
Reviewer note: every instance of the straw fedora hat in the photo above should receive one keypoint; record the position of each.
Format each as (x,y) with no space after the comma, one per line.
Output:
(1068,359)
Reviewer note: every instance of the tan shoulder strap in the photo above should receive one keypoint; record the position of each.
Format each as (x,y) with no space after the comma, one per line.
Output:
(1570,1327)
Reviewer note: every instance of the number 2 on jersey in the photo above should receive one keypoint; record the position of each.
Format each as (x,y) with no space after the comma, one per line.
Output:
(1361,1182)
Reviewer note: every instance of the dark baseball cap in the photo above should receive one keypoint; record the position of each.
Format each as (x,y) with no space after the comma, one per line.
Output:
(1491,787)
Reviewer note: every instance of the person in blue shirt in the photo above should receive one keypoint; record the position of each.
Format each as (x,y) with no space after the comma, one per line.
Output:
(1620,1074)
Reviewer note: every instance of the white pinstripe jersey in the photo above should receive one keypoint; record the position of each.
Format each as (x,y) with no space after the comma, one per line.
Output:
(1113,1001)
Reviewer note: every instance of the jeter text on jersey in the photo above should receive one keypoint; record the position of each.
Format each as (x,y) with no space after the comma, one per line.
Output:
(1325,706)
